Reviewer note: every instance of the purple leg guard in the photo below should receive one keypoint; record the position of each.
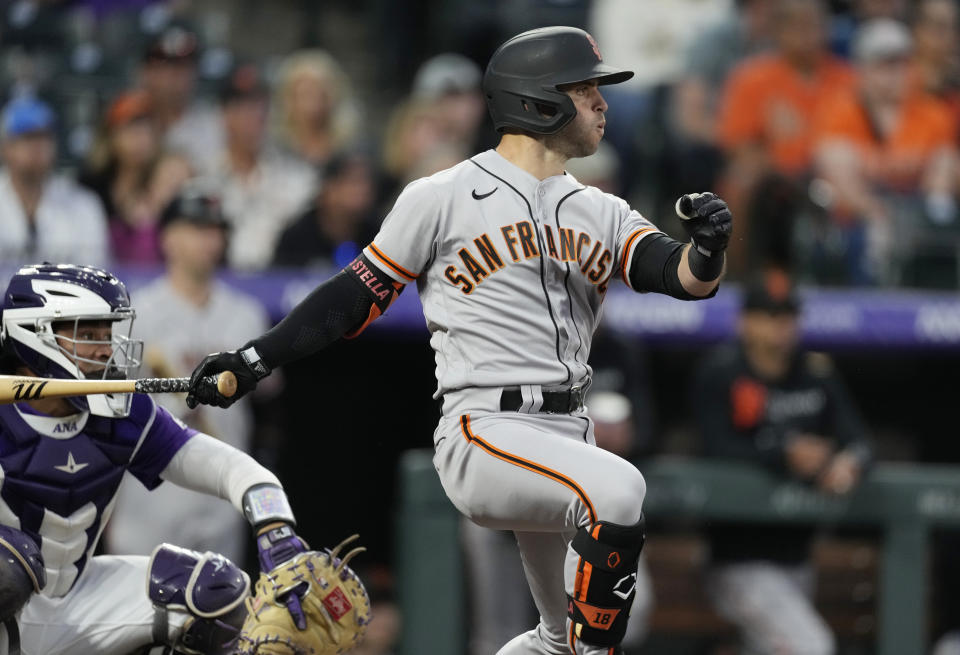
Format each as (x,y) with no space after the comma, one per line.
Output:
(207,587)
(21,575)
(21,571)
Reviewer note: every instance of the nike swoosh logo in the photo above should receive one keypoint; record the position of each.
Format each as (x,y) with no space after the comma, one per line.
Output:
(481,196)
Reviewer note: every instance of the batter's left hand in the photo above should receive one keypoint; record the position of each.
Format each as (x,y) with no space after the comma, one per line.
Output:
(707,220)
(203,393)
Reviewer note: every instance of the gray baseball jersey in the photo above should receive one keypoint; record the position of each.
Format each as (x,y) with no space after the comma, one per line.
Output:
(511,270)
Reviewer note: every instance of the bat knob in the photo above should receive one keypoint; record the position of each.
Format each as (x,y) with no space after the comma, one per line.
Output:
(227,383)
(684,206)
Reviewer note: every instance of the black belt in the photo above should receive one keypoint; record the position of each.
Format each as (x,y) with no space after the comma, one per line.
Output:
(554,402)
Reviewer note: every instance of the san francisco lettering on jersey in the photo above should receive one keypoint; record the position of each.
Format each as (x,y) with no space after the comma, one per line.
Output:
(481,259)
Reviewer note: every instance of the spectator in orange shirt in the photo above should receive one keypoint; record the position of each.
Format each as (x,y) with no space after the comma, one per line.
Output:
(765,116)
(696,98)
(885,154)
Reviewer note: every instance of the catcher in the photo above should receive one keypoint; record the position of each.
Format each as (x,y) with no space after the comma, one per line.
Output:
(61,462)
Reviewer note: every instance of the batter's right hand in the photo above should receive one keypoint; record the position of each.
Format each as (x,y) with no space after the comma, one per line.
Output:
(202,391)
(707,220)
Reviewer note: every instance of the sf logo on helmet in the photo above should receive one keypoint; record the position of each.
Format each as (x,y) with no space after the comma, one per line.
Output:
(596,48)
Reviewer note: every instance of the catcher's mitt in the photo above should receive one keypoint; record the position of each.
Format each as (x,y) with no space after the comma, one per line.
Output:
(333,601)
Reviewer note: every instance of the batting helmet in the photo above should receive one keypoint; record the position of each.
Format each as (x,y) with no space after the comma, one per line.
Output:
(521,80)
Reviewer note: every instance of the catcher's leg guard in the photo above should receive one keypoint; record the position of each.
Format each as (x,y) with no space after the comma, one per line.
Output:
(606,581)
(208,588)
(21,575)
(21,571)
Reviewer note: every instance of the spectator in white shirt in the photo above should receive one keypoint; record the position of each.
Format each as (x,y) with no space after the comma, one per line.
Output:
(43,216)
(262,189)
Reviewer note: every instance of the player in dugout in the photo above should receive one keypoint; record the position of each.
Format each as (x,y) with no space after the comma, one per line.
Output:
(766,401)
(512,258)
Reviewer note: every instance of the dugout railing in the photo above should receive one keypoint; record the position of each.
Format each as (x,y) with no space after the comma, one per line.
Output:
(904,501)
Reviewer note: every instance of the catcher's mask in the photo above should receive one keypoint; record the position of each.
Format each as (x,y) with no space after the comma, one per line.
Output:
(44,324)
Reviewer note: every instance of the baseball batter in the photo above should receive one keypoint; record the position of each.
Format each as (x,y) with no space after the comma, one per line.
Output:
(512,258)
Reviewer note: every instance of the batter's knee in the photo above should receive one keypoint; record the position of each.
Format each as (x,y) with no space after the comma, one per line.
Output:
(622,502)
(606,582)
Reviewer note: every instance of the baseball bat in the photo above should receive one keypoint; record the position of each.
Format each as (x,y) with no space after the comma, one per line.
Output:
(684,206)
(17,388)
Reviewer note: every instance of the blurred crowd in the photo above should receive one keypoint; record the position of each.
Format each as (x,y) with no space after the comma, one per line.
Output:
(300,177)
(831,128)
(188,136)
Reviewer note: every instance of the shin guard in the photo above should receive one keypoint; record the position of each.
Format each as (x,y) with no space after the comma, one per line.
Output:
(208,588)
(606,581)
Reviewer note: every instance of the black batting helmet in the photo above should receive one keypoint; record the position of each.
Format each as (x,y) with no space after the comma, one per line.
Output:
(521,80)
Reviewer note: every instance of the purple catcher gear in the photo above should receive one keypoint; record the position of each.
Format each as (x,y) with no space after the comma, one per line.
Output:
(21,575)
(42,295)
(276,546)
(208,587)
(21,571)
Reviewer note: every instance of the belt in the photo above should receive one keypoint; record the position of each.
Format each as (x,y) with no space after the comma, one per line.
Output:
(554,402)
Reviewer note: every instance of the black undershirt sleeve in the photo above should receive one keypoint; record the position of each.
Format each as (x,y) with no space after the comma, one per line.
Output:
(340,307)
(655,267)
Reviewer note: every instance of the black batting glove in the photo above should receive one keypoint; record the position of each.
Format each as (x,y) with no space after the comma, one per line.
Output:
(244,363)
(707,220)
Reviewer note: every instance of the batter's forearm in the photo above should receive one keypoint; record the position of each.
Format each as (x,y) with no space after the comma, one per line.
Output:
(341,306)
(660,264)
(330,311)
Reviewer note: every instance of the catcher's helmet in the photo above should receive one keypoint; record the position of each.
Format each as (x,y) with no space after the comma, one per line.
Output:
(521,80)
(42,296)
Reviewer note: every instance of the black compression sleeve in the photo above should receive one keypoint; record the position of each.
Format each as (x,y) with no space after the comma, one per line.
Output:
(656,265)
(341,305)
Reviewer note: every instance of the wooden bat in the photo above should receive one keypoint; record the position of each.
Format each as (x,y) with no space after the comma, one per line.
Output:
(17,388)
